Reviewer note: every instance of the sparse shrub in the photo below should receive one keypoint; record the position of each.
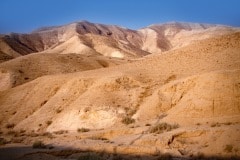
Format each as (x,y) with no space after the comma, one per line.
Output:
(44,102)
(47,134)
(109,33)
(22,131)
(13,133)
(3,141)
(20,71)
(60,132)
(228,148)
(200,155)
(198,124)
(49,122)
(17,140)
(215,125)
(147,124)
(10,125)
(117,157)
(89,156)
(83,130)
(171,78)
(39,145)
(58,110)
(227,123)
(128,120)
(161,127)
(131,112)
(165,157)
(13,113)
(33,134)
(99,138)
(205,145)
(87,109)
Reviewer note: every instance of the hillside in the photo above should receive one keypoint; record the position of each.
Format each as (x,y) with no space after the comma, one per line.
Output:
(109,40)
(27,68)
(183,102)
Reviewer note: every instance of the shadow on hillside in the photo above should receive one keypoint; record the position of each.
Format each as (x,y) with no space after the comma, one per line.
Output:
(28,153)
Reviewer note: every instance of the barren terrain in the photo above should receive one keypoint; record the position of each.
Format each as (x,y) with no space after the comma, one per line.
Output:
(93,91)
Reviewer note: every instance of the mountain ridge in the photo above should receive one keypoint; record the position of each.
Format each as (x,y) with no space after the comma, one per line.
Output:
(118,41)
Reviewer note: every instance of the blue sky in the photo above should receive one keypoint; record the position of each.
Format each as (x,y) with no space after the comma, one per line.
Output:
(27,15)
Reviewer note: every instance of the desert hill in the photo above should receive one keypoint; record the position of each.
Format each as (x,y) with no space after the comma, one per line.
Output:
(194,87)
(108,40)
(89,39)
(27,68)
(113,93)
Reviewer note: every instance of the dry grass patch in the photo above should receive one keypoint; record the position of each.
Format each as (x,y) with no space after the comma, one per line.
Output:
(48,122)
(131,112)
(14,112)
(22,131)
(60,132)
(43,103)
(48,135)
(13,133)
(170,78)
(80,130)
(3,141)
(215,125)
(228,123)
(33,134)
(128,120)
(100,138)
(90,156)
(18,140)
(58,110)
(10,125)
(162,127)
(39,145)
(228,148)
